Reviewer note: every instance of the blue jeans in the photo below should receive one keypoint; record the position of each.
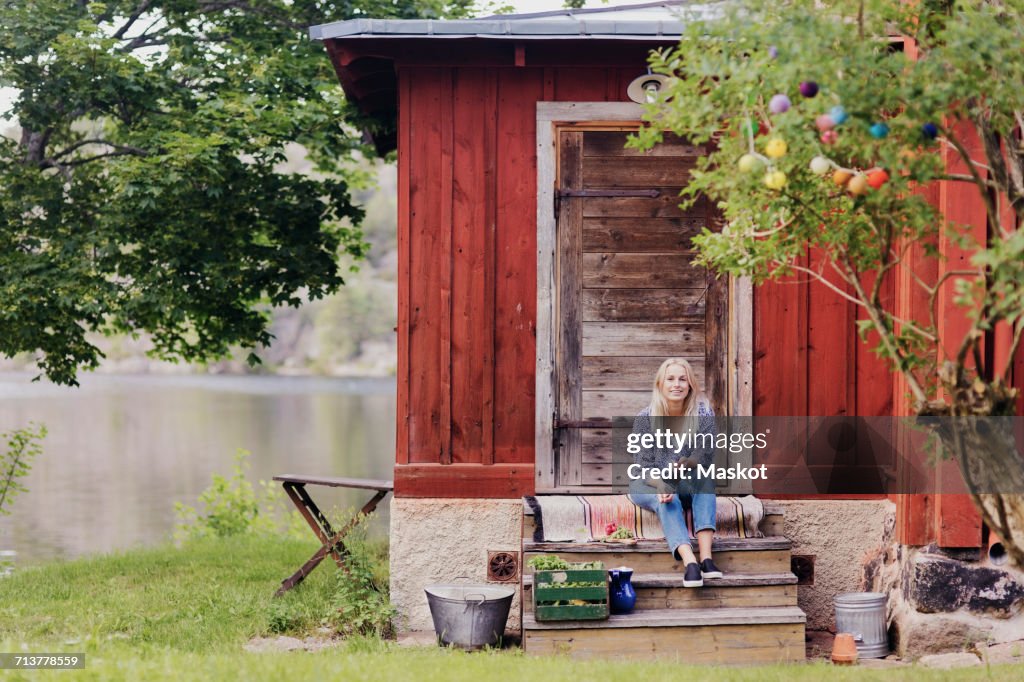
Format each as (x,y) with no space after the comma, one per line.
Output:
(671,514)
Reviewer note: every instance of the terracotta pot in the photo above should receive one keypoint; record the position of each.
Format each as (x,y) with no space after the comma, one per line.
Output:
(844,649)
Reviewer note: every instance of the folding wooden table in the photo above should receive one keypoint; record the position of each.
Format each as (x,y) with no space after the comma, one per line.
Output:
(331,541)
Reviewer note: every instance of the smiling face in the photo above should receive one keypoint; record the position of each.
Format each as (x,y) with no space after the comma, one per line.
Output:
(675,387)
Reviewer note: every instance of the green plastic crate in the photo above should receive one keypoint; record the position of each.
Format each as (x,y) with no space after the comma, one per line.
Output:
(551,597)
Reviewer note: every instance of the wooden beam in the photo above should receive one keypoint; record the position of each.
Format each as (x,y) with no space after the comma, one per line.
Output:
(499,481)
(404,272)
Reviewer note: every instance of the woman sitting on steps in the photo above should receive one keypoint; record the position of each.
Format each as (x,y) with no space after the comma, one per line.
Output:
(677,393)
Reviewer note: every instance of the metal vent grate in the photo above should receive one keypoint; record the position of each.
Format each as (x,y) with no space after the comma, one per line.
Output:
(502,567)
(803,567)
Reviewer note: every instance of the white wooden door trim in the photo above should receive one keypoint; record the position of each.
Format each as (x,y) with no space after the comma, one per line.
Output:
(741,321)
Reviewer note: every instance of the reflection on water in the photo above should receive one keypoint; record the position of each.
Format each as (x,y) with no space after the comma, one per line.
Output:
(122,449)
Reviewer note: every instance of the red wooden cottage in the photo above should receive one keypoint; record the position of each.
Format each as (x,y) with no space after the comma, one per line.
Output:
(545,272)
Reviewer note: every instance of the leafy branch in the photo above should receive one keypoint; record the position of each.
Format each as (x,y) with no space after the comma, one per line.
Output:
(15,462)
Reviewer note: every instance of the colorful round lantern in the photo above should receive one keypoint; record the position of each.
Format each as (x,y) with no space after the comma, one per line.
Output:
(878,130)
(829,137)
(877,178)
(808,89)
(750,129)
(776,148)
(858,185)
(749,163)
(775,179)
(930,130)
(841,177)
(820,165)
(838,115)
(825,122)
(779,104)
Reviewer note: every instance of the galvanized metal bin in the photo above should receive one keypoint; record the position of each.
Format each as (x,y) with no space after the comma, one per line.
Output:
(469,616)
(862,614)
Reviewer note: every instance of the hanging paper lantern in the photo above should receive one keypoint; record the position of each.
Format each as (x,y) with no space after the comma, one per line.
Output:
(776,148)
(775,179)
(857,186)
(877,178)
(773,52)
(808,88)
(824,122)
(820,165)
(841,177)
(779,104)
(879,130)
(749,163)
(829,137)
(838,115)
(930,130)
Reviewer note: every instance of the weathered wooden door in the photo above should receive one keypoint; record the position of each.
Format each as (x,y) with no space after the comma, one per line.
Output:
(628,294)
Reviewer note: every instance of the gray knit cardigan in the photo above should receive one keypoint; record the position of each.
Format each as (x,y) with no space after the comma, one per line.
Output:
(659,457)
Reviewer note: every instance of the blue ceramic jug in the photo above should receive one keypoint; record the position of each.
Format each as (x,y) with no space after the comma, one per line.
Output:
(622,596)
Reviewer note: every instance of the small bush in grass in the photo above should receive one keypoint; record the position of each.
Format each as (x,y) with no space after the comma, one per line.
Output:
(361,599)
(231,506)
(284,616)
(355,606)
(15,463)
(16,460)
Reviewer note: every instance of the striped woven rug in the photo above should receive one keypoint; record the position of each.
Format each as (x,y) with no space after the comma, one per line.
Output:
(557,517)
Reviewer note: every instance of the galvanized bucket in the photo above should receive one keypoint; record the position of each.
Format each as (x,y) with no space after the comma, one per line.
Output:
(862,614)
(469,616)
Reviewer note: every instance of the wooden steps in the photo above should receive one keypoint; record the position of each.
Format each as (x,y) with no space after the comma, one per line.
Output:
(750,615)
(679,618)
(751,555)
(702,636)
(738,590)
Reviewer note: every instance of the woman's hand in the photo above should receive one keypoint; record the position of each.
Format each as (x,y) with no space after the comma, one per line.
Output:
(665,498)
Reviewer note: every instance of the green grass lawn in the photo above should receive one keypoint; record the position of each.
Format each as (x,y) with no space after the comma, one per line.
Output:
(185,614)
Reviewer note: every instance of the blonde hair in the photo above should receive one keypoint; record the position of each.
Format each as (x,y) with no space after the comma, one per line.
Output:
(659,406)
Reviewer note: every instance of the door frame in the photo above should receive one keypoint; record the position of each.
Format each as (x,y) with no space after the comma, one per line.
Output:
(739,385)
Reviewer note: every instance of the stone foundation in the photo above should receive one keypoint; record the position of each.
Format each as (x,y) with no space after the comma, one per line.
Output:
(947,600)
(436,540)
(939,601)
(841,535)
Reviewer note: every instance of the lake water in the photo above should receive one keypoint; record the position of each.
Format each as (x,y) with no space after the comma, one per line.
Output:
(122,450)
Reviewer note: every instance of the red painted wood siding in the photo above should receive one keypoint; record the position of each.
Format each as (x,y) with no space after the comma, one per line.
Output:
(468,271)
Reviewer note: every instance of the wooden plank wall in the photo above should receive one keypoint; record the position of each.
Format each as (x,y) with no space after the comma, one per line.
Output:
(467,274)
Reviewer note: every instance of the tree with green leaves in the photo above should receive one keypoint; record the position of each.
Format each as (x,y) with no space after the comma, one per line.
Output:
(144,190)
(825,132)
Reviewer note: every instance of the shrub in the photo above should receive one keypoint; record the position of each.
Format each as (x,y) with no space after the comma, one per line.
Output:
(231,506)
(16,461)
(361,595)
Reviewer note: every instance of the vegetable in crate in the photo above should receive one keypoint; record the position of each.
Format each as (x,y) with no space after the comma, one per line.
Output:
(548,562)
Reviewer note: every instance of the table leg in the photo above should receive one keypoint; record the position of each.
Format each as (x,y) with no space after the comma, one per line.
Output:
(314,517)
(330,541)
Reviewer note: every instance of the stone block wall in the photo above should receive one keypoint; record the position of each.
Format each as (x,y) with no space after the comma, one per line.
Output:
(840,536)
(944,600)
(438,540)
